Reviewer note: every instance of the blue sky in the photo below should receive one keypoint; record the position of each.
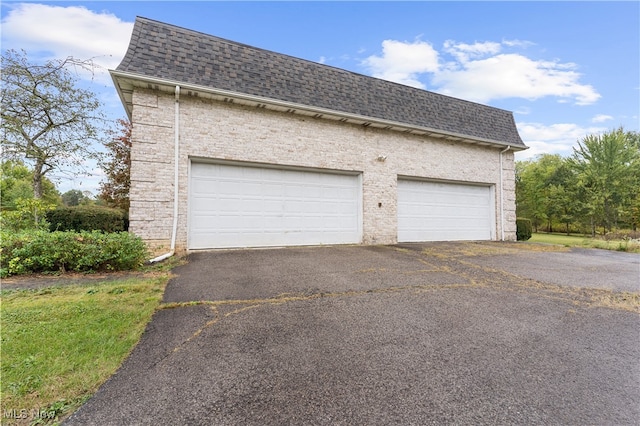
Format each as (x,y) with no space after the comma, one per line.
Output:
(566,69)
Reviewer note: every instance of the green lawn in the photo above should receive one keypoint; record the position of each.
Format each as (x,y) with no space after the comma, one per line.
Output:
(60,343)
(587,242)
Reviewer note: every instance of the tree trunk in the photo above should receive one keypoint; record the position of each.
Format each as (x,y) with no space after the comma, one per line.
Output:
(37,179)
(607,217)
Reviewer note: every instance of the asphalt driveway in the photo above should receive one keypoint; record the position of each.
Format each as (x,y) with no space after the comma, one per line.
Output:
(441,333)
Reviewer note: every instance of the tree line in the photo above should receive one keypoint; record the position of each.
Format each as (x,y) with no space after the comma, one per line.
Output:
(594,190)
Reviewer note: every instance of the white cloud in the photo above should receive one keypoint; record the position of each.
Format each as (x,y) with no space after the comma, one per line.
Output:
(56,32)
(463,52)
(518,43)
(601,118)
(480,72)
(553,139)
(510,75)
(402,62)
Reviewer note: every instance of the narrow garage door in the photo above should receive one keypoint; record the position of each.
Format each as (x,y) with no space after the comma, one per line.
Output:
(438,211)
(246,206)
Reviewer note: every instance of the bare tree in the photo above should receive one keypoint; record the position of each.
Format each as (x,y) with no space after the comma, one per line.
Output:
(47,120)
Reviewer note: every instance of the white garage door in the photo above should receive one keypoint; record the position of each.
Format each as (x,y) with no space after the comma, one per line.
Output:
(438,211)
(245,206)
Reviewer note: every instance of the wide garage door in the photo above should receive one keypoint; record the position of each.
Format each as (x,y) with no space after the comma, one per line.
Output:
(440,211)
(247,206)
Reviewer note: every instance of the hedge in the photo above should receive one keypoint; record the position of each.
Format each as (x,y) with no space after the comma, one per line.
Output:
(41,251)
(87,218)
(523,229)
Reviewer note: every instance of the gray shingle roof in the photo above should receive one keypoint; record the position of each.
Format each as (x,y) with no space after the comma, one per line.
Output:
(172,53)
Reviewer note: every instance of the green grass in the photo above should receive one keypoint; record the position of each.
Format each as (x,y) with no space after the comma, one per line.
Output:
(586,242)
(60,343)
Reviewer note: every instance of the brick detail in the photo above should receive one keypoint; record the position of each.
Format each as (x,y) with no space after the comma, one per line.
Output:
(221,131)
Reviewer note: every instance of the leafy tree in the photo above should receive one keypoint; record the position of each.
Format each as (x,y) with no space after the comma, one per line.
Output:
(528,197)
(75,197)
(20,211)
(117,167)
(632,210)
(634,139)
(541,190)
(16,184)
(46,119)
(564,206)
(608,168)
(28,214)
(598,186)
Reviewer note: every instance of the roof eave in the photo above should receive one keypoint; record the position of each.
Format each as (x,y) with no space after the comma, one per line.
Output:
(126,81)
(126,100)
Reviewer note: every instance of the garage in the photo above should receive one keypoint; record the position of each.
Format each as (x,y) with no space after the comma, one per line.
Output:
(239,205)
(444,211)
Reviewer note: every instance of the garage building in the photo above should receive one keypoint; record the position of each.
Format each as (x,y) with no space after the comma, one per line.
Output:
(236,146)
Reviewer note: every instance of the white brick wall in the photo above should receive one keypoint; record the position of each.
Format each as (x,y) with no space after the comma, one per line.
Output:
(217,130)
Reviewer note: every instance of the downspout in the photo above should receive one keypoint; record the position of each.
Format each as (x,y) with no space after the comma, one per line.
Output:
(176,146)
(502,193)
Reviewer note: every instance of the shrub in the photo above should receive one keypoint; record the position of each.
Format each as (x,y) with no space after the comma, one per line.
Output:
(622,235)
(86,218)
(523,229)
(29,214)
(41,251)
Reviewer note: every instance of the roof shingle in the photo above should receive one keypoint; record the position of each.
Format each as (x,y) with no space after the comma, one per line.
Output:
(168,52)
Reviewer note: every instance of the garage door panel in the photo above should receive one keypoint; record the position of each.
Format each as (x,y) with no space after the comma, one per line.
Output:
(439,211)
(448,211)
(331,208)
(273,189)
(238,206)
(302,207)
(272,205)
(445,223)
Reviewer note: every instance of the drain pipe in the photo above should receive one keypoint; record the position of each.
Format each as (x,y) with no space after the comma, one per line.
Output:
(176,145)
(502,193)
